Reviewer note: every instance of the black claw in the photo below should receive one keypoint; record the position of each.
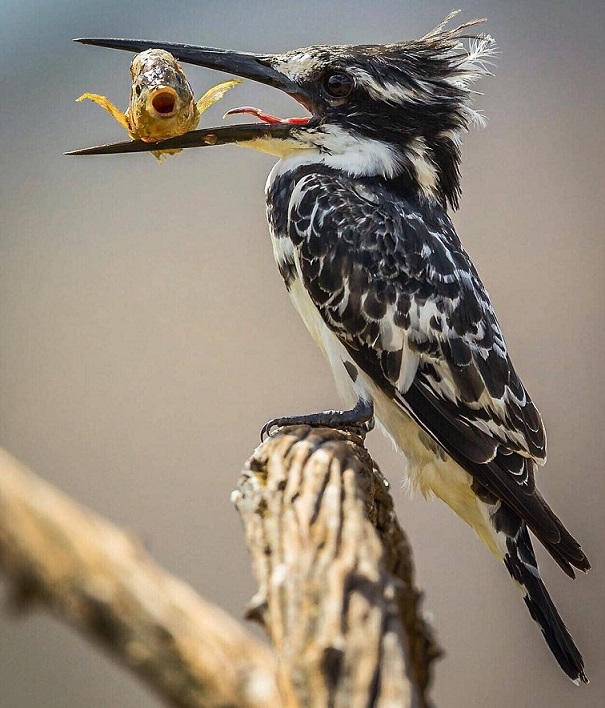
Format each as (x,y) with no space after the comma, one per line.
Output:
(266,429)
(361,416)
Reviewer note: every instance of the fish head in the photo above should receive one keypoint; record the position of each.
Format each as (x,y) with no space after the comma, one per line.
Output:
(161,99)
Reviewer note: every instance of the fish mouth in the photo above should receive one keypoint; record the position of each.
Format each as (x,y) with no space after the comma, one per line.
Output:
(257,67)
(163,102)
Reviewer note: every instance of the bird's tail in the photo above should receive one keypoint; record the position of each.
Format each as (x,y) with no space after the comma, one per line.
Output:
(521,563)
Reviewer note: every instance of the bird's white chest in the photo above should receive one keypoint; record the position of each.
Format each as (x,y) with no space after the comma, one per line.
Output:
(333,350)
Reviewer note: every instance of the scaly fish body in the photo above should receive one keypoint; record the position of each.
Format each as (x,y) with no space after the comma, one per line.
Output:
(162,103)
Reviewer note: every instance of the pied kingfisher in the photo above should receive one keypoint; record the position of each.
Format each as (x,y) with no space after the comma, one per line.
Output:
(358,212)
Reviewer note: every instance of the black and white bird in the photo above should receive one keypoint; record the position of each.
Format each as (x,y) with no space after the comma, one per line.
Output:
(358,212)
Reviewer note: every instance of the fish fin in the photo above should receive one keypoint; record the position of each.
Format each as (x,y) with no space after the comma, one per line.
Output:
(105,103)
(161,155)
(215,94)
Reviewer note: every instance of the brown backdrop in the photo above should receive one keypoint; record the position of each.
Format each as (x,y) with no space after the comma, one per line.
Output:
(145,335)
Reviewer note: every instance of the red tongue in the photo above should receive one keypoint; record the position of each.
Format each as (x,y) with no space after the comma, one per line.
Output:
(266,117)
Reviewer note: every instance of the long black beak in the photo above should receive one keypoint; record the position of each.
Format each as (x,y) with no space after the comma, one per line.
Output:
(249,66)
(223,135)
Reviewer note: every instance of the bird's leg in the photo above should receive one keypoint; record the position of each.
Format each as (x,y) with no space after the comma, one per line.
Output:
(361,416)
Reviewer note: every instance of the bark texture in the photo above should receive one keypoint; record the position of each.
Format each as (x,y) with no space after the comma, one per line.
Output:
(336,587)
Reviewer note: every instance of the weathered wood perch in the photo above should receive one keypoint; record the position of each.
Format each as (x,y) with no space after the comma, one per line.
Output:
(336,588)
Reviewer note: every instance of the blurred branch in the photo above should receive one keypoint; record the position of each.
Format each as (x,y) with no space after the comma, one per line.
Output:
(91,574)
(336,587)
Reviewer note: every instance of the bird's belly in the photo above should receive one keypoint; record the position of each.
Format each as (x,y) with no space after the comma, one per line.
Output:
(431,471)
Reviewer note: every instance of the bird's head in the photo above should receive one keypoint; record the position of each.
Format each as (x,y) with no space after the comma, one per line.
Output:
(393,110)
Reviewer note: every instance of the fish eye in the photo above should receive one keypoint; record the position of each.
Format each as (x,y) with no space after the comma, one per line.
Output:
(338,84)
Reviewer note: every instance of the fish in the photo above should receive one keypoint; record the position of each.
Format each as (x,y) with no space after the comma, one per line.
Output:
(162,104)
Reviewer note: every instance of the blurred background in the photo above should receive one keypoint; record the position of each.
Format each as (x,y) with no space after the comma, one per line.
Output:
(145,333)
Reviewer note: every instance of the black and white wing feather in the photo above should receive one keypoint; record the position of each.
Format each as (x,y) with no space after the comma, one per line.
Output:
(392,281)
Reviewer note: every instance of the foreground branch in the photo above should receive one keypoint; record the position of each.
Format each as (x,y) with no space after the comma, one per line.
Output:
(98,579)
(336,587)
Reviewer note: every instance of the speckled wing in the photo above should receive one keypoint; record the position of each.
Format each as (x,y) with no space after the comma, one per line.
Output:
(392,281)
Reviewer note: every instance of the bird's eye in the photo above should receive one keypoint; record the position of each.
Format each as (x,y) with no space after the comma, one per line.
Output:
(338,85)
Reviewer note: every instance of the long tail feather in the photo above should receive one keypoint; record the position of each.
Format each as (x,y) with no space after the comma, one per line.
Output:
(567,551)
(521,563)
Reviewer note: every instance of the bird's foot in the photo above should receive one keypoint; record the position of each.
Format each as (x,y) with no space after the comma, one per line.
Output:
(361,417)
